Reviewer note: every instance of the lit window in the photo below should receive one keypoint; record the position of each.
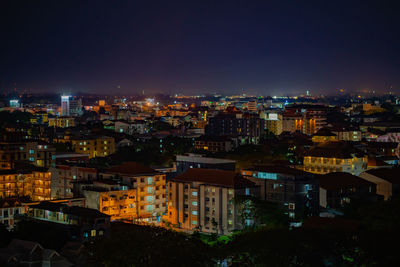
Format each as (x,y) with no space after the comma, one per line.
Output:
(150,190)
(194,222)
(194,203)
(93,233)
(74,177)
(247,191)
(31,159)
(149,180)
(230,191)
(194,193)
(194,212)
(230,222)
(31,151)
(292,206)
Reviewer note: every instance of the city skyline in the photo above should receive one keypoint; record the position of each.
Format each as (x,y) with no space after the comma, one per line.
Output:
(226,47)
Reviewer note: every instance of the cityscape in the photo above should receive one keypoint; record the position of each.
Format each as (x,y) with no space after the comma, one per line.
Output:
(149,157)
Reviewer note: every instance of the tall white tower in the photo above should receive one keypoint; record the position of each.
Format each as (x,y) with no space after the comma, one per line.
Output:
(65,105)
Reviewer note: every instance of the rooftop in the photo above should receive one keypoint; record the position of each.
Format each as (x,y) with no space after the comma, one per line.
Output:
(337,180)
(214,177)
(335,149)
(73,210)
(131,168)
(278,169)
(389,174)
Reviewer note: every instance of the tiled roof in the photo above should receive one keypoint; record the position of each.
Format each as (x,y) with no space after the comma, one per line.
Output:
(391,175)
(334,149)
(337,180)
(214,177)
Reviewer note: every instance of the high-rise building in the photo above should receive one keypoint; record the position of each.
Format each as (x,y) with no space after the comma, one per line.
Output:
(65,105)
(75,106)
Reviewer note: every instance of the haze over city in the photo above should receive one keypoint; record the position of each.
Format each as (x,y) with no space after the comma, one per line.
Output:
(254,47)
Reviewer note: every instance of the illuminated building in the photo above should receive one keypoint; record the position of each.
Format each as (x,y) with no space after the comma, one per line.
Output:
(324,135)
(295,190)
(252,106)
(61,122)
(65,105)
(213,143)
(335,157)
(40,118)
(102,146)
(102,103)
(83,224)
(34,183)
(149,187)
(307,119)
(111,198)
(273,122)
(10,207)
(14,103)
(63,177)
(36,153)
(203,199)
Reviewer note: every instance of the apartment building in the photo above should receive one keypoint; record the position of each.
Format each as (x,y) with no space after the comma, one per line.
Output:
(83,224)
(236,124)
(202,199)
(213,143)
(61,122)
(102,146)
(295,190)
(307,119)
(335,157)
(39,154)
(32,182)
(63,177)
(150,187)
(338,189)
(111,198)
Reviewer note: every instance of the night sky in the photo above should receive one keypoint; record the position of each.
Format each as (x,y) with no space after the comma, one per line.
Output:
(264,47)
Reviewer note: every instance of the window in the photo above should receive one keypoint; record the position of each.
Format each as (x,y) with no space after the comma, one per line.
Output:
(194,222)
(149,190)
(194,193)
(194,212)
(149,198)
(292,206)
(230,222)
(150,180)
(31,151)
(85,234)
(93,233)
(230,191)
(247,193)
(194,203)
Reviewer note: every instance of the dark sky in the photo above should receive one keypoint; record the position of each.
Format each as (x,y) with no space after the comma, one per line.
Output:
(266,47)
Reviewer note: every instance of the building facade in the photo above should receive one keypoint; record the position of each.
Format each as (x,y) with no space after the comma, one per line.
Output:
(202,199)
